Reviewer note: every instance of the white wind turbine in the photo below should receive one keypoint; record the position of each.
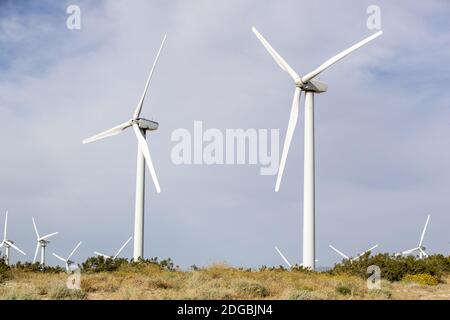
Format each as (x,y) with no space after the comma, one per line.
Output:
(117,254)
(42,242)
(286,260)
(346,257)
(420,248)
(311,87)
(8,243)
(140,127)
(67,261)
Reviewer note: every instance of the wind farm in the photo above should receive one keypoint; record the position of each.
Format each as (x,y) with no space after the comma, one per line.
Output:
(318,185)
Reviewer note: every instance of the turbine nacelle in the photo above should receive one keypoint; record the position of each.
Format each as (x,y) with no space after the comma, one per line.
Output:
(315,86)
(44,243)
(145,124)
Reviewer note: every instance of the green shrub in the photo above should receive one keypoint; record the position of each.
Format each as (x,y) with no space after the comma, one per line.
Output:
(345,291)
(4,270)
(394,268)
(36,267)
(101,264)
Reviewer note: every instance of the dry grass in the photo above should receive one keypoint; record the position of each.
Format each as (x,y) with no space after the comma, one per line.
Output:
(215,282)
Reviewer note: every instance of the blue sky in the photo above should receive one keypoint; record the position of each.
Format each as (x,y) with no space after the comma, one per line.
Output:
(382,161)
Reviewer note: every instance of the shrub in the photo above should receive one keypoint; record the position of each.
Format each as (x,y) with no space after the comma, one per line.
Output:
(4,270)
(394,268)
(422,278)
(343,290)
(37,267)
(101,264)
(63,293)
(304,295)
(252,289)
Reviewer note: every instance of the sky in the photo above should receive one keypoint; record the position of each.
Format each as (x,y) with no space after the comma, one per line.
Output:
(382,148)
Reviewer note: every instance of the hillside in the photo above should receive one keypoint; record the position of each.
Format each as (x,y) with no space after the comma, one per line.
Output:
(154,281)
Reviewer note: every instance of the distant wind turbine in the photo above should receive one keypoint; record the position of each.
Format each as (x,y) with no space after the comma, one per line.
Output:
(42,242)
(420,248)
(8,243)
(286,260)
(117,254)
(346,257)
(67,261)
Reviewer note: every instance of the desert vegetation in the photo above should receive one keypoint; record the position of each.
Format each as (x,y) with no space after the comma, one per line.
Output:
(402,278)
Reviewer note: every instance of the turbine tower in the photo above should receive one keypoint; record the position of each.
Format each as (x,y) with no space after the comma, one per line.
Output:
(140,127)
(310,86)
(117,254)
(42,242)
(8,243)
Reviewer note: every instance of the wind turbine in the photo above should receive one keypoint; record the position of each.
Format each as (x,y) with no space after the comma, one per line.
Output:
(41,242)
(310,86)
(420,248)
(286,260)
(67,261)
(346,257)
(8,243)
(118,252)
(140,127)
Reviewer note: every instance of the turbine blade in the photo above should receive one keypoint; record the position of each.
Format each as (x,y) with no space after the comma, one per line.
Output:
(138,110)
(35,228)
(409,251)
(102,254)
(289,134)
(6,225)
(283,257)
(121,248)
(423,232)
(364,252)
(48,236)
(276,56)
(145,151)
(9,243)
(339,56)
(108,133)
(36,252)
(60,258)
(2,243)
(73,251)
(339,253)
